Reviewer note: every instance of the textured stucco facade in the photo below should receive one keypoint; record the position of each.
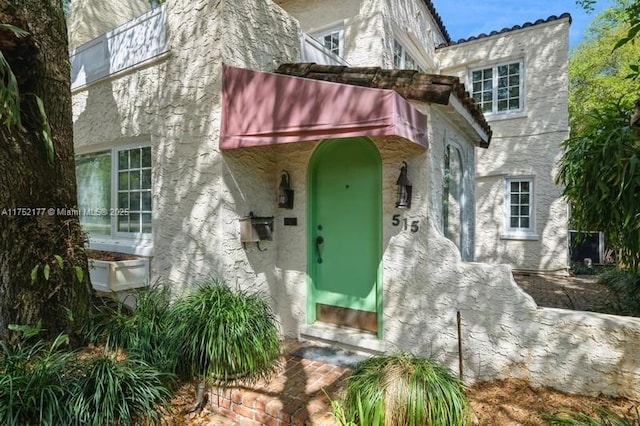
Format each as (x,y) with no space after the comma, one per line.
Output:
(173,104)
(100,17)
(526,144)
(370,27)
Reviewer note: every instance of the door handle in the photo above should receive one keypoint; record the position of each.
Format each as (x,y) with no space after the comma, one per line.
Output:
(319,240)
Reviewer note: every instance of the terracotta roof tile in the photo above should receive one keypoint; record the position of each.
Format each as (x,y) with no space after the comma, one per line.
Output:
(506,30)
(430,88)
(438,19)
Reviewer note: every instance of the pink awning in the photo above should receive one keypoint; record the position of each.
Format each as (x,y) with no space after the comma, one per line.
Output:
(261,108)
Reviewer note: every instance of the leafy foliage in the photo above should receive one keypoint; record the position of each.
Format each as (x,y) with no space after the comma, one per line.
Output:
(9,92)
(43,383)
(145,333)
(586,4)
(213,332)
(600,170)
(630,14)
(597,73)
(626,286)
(225,334)
(10,97)
(403,390)
(35,383)
(112,391)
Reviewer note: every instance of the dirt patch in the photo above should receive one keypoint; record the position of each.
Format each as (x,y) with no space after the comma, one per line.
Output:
(178,415)
(580,293)
(495,403)
(109,256)
(515,402)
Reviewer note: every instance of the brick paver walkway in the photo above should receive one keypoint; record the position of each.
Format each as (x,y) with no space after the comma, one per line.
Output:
(295,395)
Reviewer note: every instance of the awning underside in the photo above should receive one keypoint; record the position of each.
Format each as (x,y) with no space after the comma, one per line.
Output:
(261,108)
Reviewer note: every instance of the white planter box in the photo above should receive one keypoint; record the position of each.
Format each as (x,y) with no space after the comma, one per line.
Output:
(110,276)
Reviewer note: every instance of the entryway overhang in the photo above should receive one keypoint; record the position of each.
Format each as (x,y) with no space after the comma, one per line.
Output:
(444,93)
(260,109)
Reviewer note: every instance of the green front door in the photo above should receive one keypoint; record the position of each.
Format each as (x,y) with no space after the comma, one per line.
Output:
(345,233)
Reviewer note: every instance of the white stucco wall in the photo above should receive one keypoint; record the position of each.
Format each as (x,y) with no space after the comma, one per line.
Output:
(199,195)
(526,145)
(371,26)
(174,105)
(411,24)
(362,32)
(93,19)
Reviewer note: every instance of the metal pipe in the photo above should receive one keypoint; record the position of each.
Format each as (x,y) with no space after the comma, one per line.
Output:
(460,368)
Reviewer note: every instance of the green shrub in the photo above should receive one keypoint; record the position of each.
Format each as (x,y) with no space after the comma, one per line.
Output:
(579,268)
(403,390)
(112,391)
(602,418)
(626,286)
(35,379)
(225,334)
(42,383)
(145,332)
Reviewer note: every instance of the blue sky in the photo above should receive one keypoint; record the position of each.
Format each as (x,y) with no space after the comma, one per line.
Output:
(464,18)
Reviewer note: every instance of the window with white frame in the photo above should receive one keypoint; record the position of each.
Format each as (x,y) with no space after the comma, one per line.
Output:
(499,89)
(332,40)
(114,192)
(402,59)
(519,211)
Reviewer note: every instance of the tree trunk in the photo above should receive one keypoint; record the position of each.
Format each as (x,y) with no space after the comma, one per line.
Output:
(38,201)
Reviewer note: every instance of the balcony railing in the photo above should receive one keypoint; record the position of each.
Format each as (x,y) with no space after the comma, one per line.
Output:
(132,43)
(144,38)
(313,51)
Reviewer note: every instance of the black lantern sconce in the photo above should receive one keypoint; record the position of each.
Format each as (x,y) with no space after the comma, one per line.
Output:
(403,190)
(285,193)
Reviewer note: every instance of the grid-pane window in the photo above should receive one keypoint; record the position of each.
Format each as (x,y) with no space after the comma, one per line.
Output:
(483,89)
(410,63)
(332,42)
(509,87)
(520,204)
(134,190)
(114,191)
(403,60)
(398,52)
(499,88)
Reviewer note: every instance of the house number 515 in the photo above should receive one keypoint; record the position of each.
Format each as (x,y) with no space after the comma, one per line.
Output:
(413,225)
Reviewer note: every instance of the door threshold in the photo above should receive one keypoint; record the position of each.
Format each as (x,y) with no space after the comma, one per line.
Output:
(345,337)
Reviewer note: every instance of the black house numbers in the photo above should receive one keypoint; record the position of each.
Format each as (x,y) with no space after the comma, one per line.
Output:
(406,225)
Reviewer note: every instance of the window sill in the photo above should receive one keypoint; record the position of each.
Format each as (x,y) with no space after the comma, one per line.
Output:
(519,236)
(505,116)
(139,247)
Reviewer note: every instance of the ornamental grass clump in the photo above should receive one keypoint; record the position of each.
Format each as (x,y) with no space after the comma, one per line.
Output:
(403,390)
(225,335)
(43,383)
(144,332)
(35,378)
(118,391)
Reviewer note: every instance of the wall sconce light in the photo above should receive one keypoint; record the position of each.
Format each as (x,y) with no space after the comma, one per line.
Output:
(403,190)
(285,193)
